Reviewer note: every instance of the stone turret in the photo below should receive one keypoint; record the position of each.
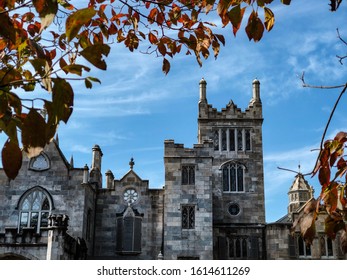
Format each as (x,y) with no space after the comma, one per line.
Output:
(256,91)
(299,193)
(95,173)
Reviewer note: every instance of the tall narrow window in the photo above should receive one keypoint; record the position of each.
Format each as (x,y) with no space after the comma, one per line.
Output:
(188,175)
(233,178)
(224,140)
(232,139)
(239,140)
(129,231)
(304,249)
(188,216)
(248,139)
(34,209)
(216,140)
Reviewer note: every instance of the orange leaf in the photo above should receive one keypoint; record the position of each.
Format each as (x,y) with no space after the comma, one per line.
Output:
(152,38)
(269,19)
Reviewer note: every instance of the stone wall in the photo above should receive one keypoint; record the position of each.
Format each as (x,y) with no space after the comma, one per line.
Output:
(195,242)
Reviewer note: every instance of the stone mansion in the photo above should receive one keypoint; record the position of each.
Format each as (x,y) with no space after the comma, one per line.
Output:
(211,207)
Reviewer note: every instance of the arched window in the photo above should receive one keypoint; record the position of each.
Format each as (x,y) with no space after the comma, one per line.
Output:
(233,177)
(34,208)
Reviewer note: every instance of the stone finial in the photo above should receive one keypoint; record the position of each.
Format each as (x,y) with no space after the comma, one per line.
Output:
(71,162)
(256,91)
(131,163)
(96,159)
(202,84)
(85,174)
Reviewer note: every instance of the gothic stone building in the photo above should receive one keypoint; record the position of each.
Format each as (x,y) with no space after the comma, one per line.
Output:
(211,207)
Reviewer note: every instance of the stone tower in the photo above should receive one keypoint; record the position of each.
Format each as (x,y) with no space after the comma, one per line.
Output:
(238,183)
(299,193)
(214,192)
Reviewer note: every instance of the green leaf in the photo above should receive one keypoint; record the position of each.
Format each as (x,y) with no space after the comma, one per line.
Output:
(286,2)
(88,81)
(11,159)
(76,20)
(33,133)
(47,9)
(94,54)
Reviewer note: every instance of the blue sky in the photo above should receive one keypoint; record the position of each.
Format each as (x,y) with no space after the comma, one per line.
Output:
(137,107)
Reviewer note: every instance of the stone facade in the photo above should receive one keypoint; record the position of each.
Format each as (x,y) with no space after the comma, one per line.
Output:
(285,242)
(211,207)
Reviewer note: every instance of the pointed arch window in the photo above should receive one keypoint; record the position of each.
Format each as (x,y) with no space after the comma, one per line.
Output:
(233,177)
(34,208)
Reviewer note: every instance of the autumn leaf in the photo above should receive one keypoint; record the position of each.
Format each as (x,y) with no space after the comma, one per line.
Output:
(235,17)
(269,19)
(254,28)
(76,20)
(11,159)
(333,224)
(33,133)
(94,55)
(166,66)
(47,9)
(62,100)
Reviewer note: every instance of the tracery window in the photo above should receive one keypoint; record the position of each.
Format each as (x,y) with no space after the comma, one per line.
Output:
(188,175)
(34,209)
(238,248)
(188,216)
(233,177)
(232,139)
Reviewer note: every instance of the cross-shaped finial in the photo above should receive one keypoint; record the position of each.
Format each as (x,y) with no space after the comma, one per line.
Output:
(131,163)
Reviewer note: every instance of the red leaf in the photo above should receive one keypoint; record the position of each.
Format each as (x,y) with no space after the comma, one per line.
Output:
(11,159)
